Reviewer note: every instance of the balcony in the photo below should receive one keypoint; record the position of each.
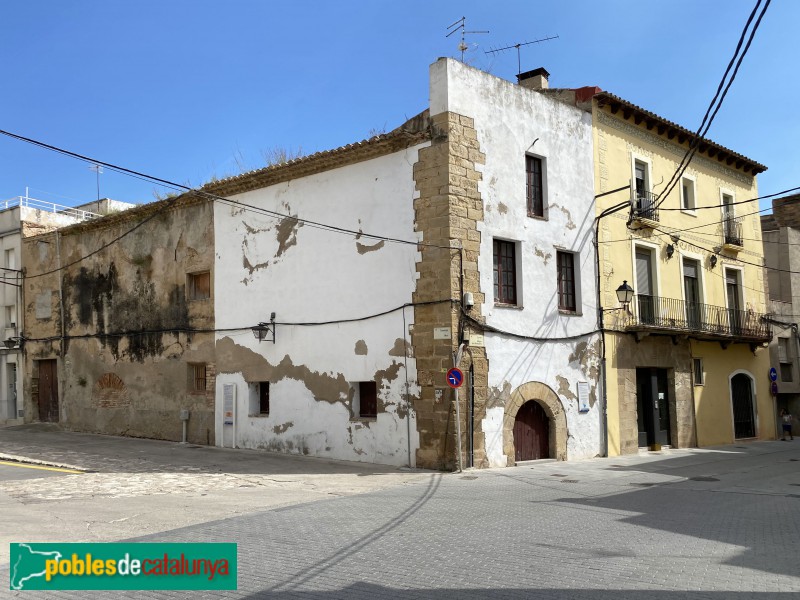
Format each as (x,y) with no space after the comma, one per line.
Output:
(732,233)
(654,314)
(643,208)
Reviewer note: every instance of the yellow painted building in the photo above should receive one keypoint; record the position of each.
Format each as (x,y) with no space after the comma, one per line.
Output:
(685,361)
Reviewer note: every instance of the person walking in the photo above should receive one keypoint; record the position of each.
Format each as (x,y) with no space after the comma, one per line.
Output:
(786,424)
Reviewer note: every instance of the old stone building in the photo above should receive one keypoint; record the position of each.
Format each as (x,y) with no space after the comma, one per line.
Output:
(119,322)
(316,305)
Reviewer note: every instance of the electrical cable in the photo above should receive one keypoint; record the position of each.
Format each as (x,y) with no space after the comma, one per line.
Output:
(734,203)
(201,192)
(708,118)
(485,327)
(245,328)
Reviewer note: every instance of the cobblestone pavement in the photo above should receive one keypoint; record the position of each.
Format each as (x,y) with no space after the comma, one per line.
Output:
(710,524)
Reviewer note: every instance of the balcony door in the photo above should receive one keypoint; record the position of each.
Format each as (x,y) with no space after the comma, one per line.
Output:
(733,290)
(645,291)
(691,292)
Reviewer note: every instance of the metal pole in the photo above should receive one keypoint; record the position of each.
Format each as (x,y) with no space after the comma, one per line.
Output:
(457,361)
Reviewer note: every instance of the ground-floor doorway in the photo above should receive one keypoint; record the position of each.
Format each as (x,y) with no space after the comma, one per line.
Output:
(48,390)
(744,418)
(652,405)
(531,432)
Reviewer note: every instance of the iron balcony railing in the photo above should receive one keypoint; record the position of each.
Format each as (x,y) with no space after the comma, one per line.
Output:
(703,320)
(732,230)
(644,206)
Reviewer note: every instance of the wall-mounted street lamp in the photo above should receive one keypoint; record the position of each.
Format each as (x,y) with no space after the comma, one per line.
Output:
(670,250)
(263,330)
(625,294)
(713,260)
(13,342)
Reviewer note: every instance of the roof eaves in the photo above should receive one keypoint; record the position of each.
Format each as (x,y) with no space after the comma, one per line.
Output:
(672,130)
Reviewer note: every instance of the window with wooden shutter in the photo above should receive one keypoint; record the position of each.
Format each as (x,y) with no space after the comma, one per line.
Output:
(565,262)
(505,272)
(535,189)
(198,286)
(197,377)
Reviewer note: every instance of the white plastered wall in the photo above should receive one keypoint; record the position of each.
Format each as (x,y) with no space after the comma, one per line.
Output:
(306,274)
(511,122)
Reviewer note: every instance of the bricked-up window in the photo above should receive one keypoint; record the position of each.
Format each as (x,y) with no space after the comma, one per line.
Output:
(505,272)
(566,281)
(197,377)
(198,285)
(263,397)
(368,399)
(535,190)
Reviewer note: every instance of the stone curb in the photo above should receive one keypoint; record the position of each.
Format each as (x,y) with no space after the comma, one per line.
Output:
(36,461)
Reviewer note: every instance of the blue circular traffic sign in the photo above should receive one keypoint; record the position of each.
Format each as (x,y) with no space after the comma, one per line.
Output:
(773,374)
(455,378)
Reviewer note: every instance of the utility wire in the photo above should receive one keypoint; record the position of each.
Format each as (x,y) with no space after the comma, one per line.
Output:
(735,203)
(712,110)
(485,327)
(180,187)
(232,329)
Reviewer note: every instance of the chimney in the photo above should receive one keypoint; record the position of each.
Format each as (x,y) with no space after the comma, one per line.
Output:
(534,80)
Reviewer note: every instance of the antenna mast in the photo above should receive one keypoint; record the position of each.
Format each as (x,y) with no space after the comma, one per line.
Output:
(97,169)
(517,46)
(461,25)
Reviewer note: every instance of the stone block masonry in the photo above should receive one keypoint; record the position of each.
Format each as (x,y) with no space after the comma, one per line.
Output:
(447,213)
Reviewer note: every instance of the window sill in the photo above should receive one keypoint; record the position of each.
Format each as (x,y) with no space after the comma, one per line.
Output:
(363,419)
(689,211)
(197,392)
(537,217)
(198,299)
(259,416)
(570,313)
(504,305)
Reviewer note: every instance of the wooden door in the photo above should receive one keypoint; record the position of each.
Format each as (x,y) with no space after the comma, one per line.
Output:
(48,391)
(531,432)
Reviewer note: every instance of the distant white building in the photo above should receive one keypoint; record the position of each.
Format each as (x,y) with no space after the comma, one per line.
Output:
(25,216)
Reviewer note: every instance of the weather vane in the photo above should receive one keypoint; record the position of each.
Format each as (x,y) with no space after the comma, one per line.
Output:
(461,25)
(517,46)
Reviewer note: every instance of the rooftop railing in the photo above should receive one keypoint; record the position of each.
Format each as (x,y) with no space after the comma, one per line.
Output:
(43,205)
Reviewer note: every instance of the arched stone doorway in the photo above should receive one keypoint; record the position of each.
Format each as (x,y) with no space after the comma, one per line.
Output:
(531,432)
(550,403)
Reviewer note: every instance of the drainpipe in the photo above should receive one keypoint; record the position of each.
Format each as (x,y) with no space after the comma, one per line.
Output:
(600,324)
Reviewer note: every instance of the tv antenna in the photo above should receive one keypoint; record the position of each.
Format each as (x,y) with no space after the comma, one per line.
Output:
(97,169)
(517,46)
(461,25)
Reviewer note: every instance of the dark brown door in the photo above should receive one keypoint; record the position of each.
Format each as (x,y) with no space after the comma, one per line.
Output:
(531,432)
(48,391)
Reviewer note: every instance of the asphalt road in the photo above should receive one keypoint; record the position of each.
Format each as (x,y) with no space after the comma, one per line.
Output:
(14,471)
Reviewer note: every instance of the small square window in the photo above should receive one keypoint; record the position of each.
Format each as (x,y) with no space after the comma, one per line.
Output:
(367,399)
(687,194)
(197,377)
(198,285)
(697,371)
(534,186)
(505,272)
(565,263)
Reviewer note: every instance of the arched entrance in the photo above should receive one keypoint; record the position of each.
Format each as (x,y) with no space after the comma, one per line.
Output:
(550,404)
(531,432)
(744,418)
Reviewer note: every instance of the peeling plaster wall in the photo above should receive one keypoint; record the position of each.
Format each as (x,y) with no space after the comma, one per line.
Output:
(111,379)
(305,274)
(511,121)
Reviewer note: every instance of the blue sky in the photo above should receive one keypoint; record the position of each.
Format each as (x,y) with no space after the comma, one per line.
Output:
(187,90)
